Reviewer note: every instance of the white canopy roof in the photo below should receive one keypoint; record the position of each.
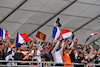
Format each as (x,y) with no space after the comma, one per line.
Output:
(80,16)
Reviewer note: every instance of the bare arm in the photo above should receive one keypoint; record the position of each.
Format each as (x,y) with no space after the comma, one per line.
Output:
(90,52)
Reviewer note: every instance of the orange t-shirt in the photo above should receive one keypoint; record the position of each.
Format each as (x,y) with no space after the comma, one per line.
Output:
(66,59)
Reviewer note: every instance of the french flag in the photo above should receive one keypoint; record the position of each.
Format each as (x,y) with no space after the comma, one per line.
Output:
(74,38)
(3,33)
(21,38)
(56,33)
(95,33)
(66,33)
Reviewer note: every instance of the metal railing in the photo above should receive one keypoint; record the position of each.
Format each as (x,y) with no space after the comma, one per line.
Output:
(43,64)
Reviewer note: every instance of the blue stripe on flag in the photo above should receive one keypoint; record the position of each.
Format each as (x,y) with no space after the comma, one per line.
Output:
(17,38)
(54,32)
(73,36)
(90,37)
(0,32)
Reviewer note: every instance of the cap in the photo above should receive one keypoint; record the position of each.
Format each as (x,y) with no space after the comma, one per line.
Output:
(67,48)
(80,52)
(12,46)
(35,45)
(1,44)
(79,47)
(46,47)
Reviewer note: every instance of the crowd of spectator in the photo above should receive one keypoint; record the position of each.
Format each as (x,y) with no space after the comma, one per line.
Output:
(54,51)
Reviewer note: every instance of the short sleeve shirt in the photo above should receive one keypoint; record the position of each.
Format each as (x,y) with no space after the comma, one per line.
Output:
(47,57)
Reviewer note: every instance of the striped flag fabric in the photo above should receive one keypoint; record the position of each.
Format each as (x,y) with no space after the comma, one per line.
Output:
(95,33)
(21,38)
(74,40)
(56,33)
(3,33)
(73,37)
(66,33)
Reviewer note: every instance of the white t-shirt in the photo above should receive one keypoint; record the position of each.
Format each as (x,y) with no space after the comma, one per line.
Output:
(57,54)
(38,57)
(10,56)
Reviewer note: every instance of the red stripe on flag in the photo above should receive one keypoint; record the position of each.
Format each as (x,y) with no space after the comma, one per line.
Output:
(95,33)
(59,36)
(65,31)
(25,36)
(6,34)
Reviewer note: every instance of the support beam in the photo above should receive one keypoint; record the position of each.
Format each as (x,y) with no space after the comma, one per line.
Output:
(53,17)
(86,23)
(13,11)
(94,40)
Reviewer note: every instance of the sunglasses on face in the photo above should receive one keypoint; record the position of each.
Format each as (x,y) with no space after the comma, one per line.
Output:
(13,47)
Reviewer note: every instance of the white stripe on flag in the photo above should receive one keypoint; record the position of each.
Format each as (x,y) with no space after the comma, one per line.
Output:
(71,44)
(4,34)
(57,33)
(66,35)
(20,39)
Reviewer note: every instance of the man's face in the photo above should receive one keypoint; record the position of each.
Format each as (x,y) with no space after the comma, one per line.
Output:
(14,49)
(2,47)
(48,50)
(79,50)
(23,47)
(67,51)
(80,55)
(35,47)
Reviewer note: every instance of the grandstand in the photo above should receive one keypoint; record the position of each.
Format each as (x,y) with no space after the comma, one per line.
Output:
(81,17)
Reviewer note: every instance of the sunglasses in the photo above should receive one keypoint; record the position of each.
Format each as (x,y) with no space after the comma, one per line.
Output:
(13,47)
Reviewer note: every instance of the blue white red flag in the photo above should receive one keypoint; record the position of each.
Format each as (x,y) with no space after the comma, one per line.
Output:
(21,38)
(56,33)
(66,33)
(95,33)
(3,33)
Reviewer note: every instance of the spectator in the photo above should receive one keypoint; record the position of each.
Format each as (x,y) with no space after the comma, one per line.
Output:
(57,54)
(66,57)
(36,53)
(46,55)
(80,59)
(3,54)
(20,56)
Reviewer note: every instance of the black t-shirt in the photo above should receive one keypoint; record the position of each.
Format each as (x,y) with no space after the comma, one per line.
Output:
(47,57)
(78,60)
(98,62)
(72,57)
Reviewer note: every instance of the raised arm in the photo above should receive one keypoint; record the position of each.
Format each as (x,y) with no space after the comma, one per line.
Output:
(56,47)
(90,52)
